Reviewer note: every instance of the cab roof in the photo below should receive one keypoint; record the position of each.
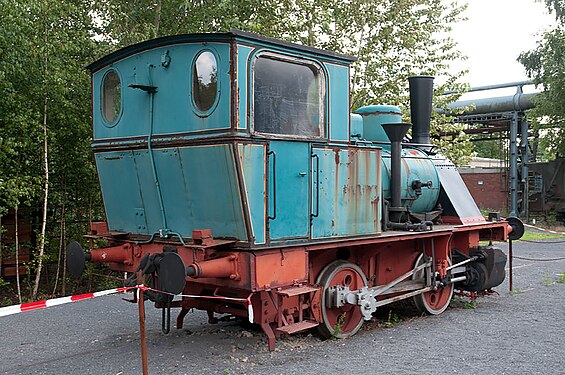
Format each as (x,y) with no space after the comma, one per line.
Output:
(241,36)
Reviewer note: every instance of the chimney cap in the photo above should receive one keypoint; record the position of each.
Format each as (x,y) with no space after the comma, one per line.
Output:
(396,131)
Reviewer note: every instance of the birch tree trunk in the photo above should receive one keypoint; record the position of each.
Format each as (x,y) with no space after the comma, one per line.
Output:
(157,21)
(17,240)
(64,279)
(45,196)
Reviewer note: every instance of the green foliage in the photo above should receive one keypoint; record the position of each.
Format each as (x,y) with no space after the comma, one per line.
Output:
(463,303)
(545,64)
(45,44)
(339,325)
(548,281)
(531,235)
(557,7)
(492,148)
(392,40)
(392,319)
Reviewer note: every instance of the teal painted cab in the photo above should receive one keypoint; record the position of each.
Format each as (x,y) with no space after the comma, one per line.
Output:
(346,191)
(192,92)
(248,136)
(198,187)
(215,131)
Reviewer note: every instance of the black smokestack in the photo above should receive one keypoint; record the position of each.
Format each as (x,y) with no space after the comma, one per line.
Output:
(421,91)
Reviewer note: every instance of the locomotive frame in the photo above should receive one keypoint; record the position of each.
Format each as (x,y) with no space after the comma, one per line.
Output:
(233,173)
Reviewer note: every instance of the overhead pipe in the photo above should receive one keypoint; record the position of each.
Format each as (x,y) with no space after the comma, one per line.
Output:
(492,87)
(512,103)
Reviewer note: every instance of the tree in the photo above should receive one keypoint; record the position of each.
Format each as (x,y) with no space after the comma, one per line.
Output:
(45,117)
(546,65)
(45,156)
(392,39)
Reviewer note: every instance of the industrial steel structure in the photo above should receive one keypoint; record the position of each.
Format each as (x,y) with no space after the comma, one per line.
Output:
(498,115)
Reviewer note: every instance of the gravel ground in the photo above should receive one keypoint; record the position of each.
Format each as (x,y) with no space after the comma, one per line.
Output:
(519,333)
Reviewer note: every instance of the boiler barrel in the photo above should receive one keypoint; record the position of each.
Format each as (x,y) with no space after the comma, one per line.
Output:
(416,165)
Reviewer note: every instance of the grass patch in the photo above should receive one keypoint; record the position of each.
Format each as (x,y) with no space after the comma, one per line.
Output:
(339,325)
(536,236)
(463,303)
(561,277)
(391,320)
(548,281)
(469,304)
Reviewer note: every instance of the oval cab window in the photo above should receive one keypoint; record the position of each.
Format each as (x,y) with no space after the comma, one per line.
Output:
(111,97)
(205,81)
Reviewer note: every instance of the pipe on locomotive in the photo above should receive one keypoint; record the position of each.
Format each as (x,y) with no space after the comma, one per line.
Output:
(396,133)
(421,91)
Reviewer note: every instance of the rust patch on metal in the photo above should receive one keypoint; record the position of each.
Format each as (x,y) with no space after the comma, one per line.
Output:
(272,271)
(336,155)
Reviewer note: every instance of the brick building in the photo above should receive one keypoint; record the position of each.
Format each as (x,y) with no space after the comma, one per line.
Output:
(488,186)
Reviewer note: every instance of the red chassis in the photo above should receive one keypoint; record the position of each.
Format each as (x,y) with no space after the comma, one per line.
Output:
(288,286)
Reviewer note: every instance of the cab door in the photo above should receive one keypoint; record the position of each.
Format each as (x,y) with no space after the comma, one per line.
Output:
(287,109)
(288,208)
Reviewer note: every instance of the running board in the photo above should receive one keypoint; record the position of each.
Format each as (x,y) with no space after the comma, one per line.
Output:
(297,327)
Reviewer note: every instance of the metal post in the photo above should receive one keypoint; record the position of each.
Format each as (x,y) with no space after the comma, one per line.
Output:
(513,165)
(524,159)
(141,305)
(510,265)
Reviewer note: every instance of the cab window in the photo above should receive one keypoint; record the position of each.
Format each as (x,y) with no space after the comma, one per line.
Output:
(111,97)
(288,97)
(205,81)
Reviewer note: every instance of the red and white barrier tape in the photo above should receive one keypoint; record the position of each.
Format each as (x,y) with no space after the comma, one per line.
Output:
(15,309)
(9,310)
(544,230)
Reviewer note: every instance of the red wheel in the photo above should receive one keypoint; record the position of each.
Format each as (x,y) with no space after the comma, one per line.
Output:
(345,321)
(433,302)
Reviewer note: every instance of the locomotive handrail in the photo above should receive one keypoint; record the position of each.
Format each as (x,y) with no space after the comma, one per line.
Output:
(274,185)
(317,185)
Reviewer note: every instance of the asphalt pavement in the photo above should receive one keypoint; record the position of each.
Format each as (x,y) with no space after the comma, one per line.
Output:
(509,333)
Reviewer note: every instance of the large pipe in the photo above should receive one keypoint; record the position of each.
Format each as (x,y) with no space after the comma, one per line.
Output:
(492,87)
(511,103)
(421,92)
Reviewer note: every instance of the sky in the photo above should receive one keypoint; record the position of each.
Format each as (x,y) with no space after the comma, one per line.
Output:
(494,35)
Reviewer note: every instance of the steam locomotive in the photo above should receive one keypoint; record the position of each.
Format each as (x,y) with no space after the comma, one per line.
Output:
(233,175)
